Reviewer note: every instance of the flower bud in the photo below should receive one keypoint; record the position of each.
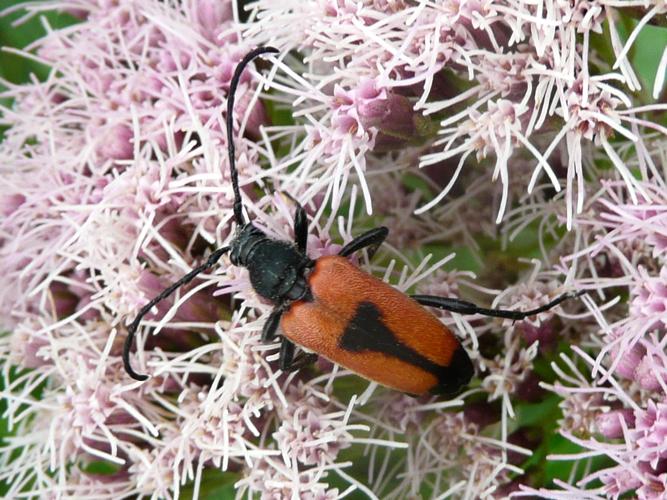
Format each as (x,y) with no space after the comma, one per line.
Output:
(609,423)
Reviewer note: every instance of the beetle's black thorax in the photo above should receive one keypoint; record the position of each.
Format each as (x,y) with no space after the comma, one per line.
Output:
(277,268)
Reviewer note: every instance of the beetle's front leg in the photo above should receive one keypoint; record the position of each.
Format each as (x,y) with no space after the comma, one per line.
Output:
(270,329)
(300,227)
(370,239)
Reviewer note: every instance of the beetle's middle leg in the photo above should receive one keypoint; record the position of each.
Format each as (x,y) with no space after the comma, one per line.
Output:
(287,362)
(371,239)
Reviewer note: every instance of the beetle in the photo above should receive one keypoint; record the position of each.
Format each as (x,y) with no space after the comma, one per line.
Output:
(330,307)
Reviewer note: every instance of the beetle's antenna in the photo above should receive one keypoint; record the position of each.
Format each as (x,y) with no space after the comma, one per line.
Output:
(132,329)
(238,215)
(238,205)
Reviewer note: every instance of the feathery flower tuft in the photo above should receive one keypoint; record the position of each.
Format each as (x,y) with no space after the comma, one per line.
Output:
(507,147)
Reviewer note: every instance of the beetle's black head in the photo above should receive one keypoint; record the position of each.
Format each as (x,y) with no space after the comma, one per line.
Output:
(277,268)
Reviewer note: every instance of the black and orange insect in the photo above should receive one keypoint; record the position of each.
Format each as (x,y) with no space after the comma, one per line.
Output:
(330,307)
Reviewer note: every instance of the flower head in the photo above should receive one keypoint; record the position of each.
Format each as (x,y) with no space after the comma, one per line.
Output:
(471,129)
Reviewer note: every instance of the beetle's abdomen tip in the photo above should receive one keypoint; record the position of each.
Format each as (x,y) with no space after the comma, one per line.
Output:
(456,374)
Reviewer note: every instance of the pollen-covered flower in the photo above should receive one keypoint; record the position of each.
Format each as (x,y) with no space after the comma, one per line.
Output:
(649,299)
(309,435)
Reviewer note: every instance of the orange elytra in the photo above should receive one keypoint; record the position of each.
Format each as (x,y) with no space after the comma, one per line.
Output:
(369,327)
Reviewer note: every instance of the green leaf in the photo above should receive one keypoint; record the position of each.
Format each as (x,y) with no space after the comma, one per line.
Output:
(100,467)
(649,46)
(543,414)
(13,67)
(215,485)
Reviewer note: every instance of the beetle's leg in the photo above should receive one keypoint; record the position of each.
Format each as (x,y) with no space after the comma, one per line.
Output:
(287,362)
(303,359)
(464,307)
(372,239)
(270,329)
(300,224)
(300,227)
(286,355)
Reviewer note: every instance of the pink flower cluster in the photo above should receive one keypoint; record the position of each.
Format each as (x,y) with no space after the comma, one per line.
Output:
(533,87)
(116,183)
(615,407)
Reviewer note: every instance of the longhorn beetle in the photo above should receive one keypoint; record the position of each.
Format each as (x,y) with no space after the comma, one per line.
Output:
(331,308)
